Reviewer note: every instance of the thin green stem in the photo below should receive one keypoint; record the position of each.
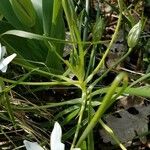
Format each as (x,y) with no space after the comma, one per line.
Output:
(91,61)
(7,89)
(46,106)
(84,100)
(37,83)
(139,91)
(102,108)
(109,69)
(90,115)
(86,20)
(140,79)
(107,51)
(31,67)
(28,35)
(75,34)
(48,74)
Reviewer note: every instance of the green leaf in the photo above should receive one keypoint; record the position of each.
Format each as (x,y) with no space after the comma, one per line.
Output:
(5,102)
(66,111)
(37,4)
(8,13)
(47,9)
(24,11)
(32,50)
(57,31)
(70,116)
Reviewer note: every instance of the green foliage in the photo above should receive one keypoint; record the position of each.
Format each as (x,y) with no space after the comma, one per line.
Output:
(39,43)
(24,11)
(44,18)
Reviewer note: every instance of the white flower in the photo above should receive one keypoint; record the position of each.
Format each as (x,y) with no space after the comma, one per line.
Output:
(5,61)
(56,138)
(55,143)
(32,145)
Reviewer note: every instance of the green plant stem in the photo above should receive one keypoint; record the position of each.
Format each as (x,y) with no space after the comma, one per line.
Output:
(46,106)
(139,91)
(68,7)
(91,61)
(84,100)
(89,78)
(90,115)
(72,22)
(7,89)
(53,83)
(48,74)
(109,69)
(140,79)
(102,108)
(30,35)
(86,20)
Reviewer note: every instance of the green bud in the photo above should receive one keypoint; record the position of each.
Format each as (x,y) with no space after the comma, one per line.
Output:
(24,11)
(134,34)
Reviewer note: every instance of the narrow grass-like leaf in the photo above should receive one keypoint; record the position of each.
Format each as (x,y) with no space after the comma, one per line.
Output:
(137,91)
(57,30)
(5,102)
(47,9)
(78,67)
(24,11)
(66,111)
(8,13)
(105,104)
(70,116)
(38,28)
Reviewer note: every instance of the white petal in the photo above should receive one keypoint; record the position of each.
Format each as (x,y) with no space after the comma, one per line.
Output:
(3,51)
(5,61)
(4,69)
(8,59)
(56,138)
(32,145)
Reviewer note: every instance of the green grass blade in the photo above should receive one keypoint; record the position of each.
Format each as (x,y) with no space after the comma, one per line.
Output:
(37,4)
(8,13)
(5,102)
(137,91)
(57,30)
(47,9)
(105,104)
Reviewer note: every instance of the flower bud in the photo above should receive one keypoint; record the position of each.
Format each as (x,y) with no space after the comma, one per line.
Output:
(134,34)
(24,11)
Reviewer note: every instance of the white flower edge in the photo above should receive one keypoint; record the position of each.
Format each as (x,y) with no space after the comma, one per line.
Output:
(2,51)
(32,145)
(55,140)
(5,61)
